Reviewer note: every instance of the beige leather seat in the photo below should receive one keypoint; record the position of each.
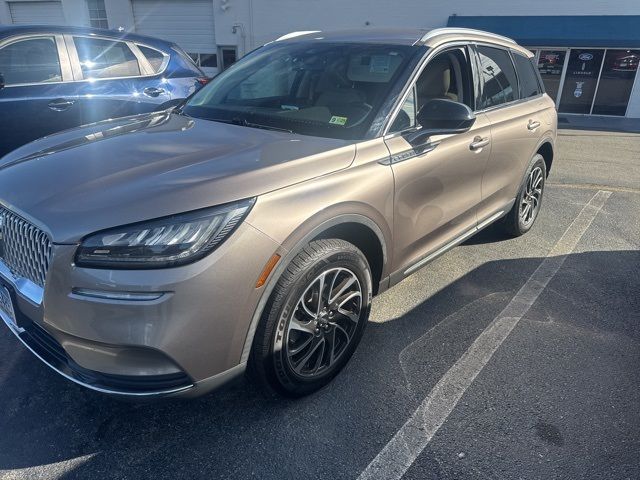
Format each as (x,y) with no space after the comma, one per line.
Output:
(435,81)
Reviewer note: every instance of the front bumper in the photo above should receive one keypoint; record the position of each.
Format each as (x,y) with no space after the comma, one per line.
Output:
(185,340)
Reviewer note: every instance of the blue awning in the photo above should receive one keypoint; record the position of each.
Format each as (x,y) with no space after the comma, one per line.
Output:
(561,31)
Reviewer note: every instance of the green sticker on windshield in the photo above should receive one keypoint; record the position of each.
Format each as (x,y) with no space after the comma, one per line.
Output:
(338,120)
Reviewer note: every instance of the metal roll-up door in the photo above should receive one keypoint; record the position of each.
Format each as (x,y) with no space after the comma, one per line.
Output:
(36,13)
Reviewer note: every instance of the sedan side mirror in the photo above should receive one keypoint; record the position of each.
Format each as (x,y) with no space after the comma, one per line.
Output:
(441,117)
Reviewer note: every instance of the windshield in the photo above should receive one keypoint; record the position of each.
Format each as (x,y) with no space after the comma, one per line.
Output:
(321,89)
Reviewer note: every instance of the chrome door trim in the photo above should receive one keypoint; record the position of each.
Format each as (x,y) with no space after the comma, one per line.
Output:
(408,154)
(65,62)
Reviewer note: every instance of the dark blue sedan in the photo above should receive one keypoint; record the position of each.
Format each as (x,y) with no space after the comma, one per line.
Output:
(54,78)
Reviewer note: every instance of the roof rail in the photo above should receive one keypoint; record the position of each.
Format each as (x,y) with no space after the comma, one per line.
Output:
(296,34)
(453,30)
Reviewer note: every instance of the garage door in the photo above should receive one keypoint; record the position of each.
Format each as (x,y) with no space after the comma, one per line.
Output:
(39,13)
(189,23)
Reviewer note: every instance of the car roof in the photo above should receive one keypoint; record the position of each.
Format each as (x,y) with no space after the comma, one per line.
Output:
(10,30)
(403,36)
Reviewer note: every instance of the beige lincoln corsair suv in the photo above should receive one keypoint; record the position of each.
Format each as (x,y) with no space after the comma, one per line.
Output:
(248,228)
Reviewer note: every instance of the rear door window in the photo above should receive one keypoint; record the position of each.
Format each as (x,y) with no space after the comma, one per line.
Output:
(102,58)
(500,84)
(529,86)
(33,60)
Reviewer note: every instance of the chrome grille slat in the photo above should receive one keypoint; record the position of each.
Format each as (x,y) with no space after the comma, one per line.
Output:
(24,248)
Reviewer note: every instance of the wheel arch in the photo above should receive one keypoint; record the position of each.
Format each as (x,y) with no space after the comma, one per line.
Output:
(546,150)
(358,229)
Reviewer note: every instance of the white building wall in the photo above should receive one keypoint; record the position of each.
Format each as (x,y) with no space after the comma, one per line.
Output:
(119,14)
(275,17)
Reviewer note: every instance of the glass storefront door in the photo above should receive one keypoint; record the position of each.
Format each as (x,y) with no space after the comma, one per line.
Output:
(616,81)
(581,80)
(550,65)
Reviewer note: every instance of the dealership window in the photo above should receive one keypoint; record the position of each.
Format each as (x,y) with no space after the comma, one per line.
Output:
(550,66)
(101,58)
(498,75)
(593,81)
(34,60)
(204,60)
(97,14)
(616,81)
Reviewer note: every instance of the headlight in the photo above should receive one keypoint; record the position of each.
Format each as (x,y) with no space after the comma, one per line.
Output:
(161,243)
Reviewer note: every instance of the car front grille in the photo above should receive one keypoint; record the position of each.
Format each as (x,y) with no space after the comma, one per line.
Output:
(24,248)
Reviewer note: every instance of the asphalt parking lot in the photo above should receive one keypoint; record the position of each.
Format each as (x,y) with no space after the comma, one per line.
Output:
(503,359)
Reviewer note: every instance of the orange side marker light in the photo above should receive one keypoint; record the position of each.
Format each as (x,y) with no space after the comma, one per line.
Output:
(266,271)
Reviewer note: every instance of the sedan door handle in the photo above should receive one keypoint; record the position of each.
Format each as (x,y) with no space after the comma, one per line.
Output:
(532,125)
(60,104)
(479,142)
(153,91)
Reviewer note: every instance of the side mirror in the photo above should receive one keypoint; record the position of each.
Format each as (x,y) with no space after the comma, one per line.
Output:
(441,117)
(1,81)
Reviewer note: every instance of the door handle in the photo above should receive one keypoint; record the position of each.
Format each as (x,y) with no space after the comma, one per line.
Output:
(60,104)
(532,125)
(479,142)
(153,91)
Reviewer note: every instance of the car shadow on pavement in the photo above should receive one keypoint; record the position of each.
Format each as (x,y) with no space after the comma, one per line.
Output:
(48,423)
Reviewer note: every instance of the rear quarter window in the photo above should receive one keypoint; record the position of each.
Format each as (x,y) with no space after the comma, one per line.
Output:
(529,85)
(155,57)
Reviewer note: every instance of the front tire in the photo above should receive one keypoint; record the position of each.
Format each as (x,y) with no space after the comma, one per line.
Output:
(313,320)
(526,208)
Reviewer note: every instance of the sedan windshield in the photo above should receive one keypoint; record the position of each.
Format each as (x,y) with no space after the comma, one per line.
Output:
(310,88)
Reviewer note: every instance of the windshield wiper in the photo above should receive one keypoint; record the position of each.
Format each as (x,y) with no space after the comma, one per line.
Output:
(245,123)
(242,122)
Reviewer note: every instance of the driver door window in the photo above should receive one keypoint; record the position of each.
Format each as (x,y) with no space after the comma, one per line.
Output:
(30,61)
(446,76)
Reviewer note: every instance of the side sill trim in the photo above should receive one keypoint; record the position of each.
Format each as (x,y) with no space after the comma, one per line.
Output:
(456,241)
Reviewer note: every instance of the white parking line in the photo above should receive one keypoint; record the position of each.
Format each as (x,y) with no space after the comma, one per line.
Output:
(402,450)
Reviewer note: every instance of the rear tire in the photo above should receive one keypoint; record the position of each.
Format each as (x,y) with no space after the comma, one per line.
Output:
(313,320)
(527,206)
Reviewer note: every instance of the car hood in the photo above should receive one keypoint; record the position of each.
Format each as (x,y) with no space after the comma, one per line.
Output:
(137,168)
